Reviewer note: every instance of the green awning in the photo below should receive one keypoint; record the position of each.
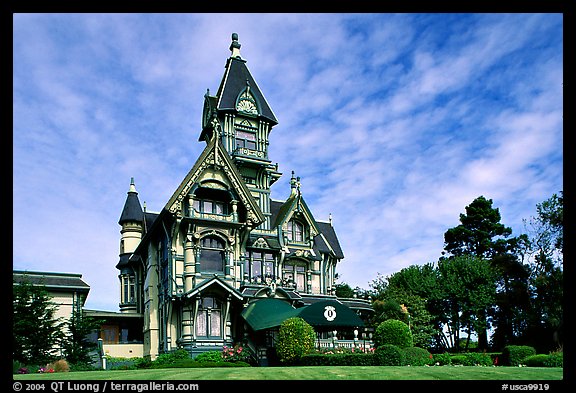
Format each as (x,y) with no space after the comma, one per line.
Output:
(330,315)
(323,315)
(267,313)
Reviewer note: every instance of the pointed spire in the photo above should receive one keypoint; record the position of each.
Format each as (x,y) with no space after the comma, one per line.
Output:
(235,46)
(132,210)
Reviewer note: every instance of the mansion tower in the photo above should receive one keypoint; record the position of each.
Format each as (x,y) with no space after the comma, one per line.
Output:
(222,261)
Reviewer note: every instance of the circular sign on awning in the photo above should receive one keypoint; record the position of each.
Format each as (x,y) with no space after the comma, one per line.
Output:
(330,313)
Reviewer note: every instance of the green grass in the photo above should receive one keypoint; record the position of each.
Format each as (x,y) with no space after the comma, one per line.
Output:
(313,373)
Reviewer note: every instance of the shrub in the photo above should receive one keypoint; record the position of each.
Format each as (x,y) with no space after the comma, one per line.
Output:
(388,355)
(458,360)
(59,366)
(83,367)
(171,357)
(393,332)
(442,359)
(514,355)
(337,359)
(191,363)
(209,356)
(555,359)
(536,360)
(238,353)
(143,363)
(415,356)
(295,339)
(477,359)
(113,363)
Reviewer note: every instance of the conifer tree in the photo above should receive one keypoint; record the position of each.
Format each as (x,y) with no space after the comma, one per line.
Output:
(37,333)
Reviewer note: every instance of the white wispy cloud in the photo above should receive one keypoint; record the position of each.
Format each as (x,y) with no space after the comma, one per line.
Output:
(395,122)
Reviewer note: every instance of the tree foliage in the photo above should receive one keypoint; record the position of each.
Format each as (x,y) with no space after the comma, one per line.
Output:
(76,345)
(295,339)
(485,279)
(37,333)
(393,332)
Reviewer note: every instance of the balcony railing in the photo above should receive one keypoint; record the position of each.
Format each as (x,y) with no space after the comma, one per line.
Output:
(232,217)
(245,152)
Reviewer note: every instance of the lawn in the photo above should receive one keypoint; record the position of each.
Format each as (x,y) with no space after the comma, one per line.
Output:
(313,373)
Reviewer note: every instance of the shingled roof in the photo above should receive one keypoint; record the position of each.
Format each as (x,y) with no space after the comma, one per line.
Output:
(132,210)
(52,281)
(235,79)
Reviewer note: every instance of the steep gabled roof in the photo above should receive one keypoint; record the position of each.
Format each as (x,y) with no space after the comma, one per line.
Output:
(215,154)
(235,79)
(329,235)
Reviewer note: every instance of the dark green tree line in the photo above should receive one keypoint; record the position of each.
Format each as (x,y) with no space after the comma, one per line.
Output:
(486,280)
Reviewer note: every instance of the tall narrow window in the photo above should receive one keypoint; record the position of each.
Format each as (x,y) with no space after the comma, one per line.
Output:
(209,319)
(296,271)
(262,265)
(295,231)
(128,289)
(212,254)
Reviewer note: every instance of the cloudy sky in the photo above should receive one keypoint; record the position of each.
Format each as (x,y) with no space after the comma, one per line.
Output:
(394,122)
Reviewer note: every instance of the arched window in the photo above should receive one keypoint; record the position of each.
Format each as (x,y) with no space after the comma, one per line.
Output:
(295,231)
(209,319)
(212,254)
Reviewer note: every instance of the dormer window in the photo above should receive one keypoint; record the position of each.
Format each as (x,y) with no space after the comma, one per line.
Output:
(211,207)
(295,231)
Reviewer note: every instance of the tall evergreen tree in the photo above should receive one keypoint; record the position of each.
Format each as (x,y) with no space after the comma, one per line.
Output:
(76,345)
(481,234)
(37,333)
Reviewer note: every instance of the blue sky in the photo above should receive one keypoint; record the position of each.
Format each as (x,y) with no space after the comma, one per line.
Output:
(394,122)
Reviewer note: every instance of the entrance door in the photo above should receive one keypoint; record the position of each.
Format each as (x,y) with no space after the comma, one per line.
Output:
(109,334)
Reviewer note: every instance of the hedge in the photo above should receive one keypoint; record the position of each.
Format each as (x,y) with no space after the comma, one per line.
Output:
(388,355)
(416,356)
(338,359)
(514,355)
(542,360)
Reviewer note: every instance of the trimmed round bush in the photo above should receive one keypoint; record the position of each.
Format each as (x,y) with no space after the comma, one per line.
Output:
(536,360)
(393,332)
(295,339)
(514,355)
(388,355)
(416,356)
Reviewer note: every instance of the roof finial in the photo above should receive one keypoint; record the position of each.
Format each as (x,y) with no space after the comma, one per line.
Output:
(132,186)
(293,185)
(235,46)
(330,218)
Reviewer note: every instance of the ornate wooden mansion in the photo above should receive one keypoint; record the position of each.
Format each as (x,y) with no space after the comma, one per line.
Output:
(222,262)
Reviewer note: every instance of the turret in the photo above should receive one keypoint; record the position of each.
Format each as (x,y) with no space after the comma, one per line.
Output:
(132,222)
